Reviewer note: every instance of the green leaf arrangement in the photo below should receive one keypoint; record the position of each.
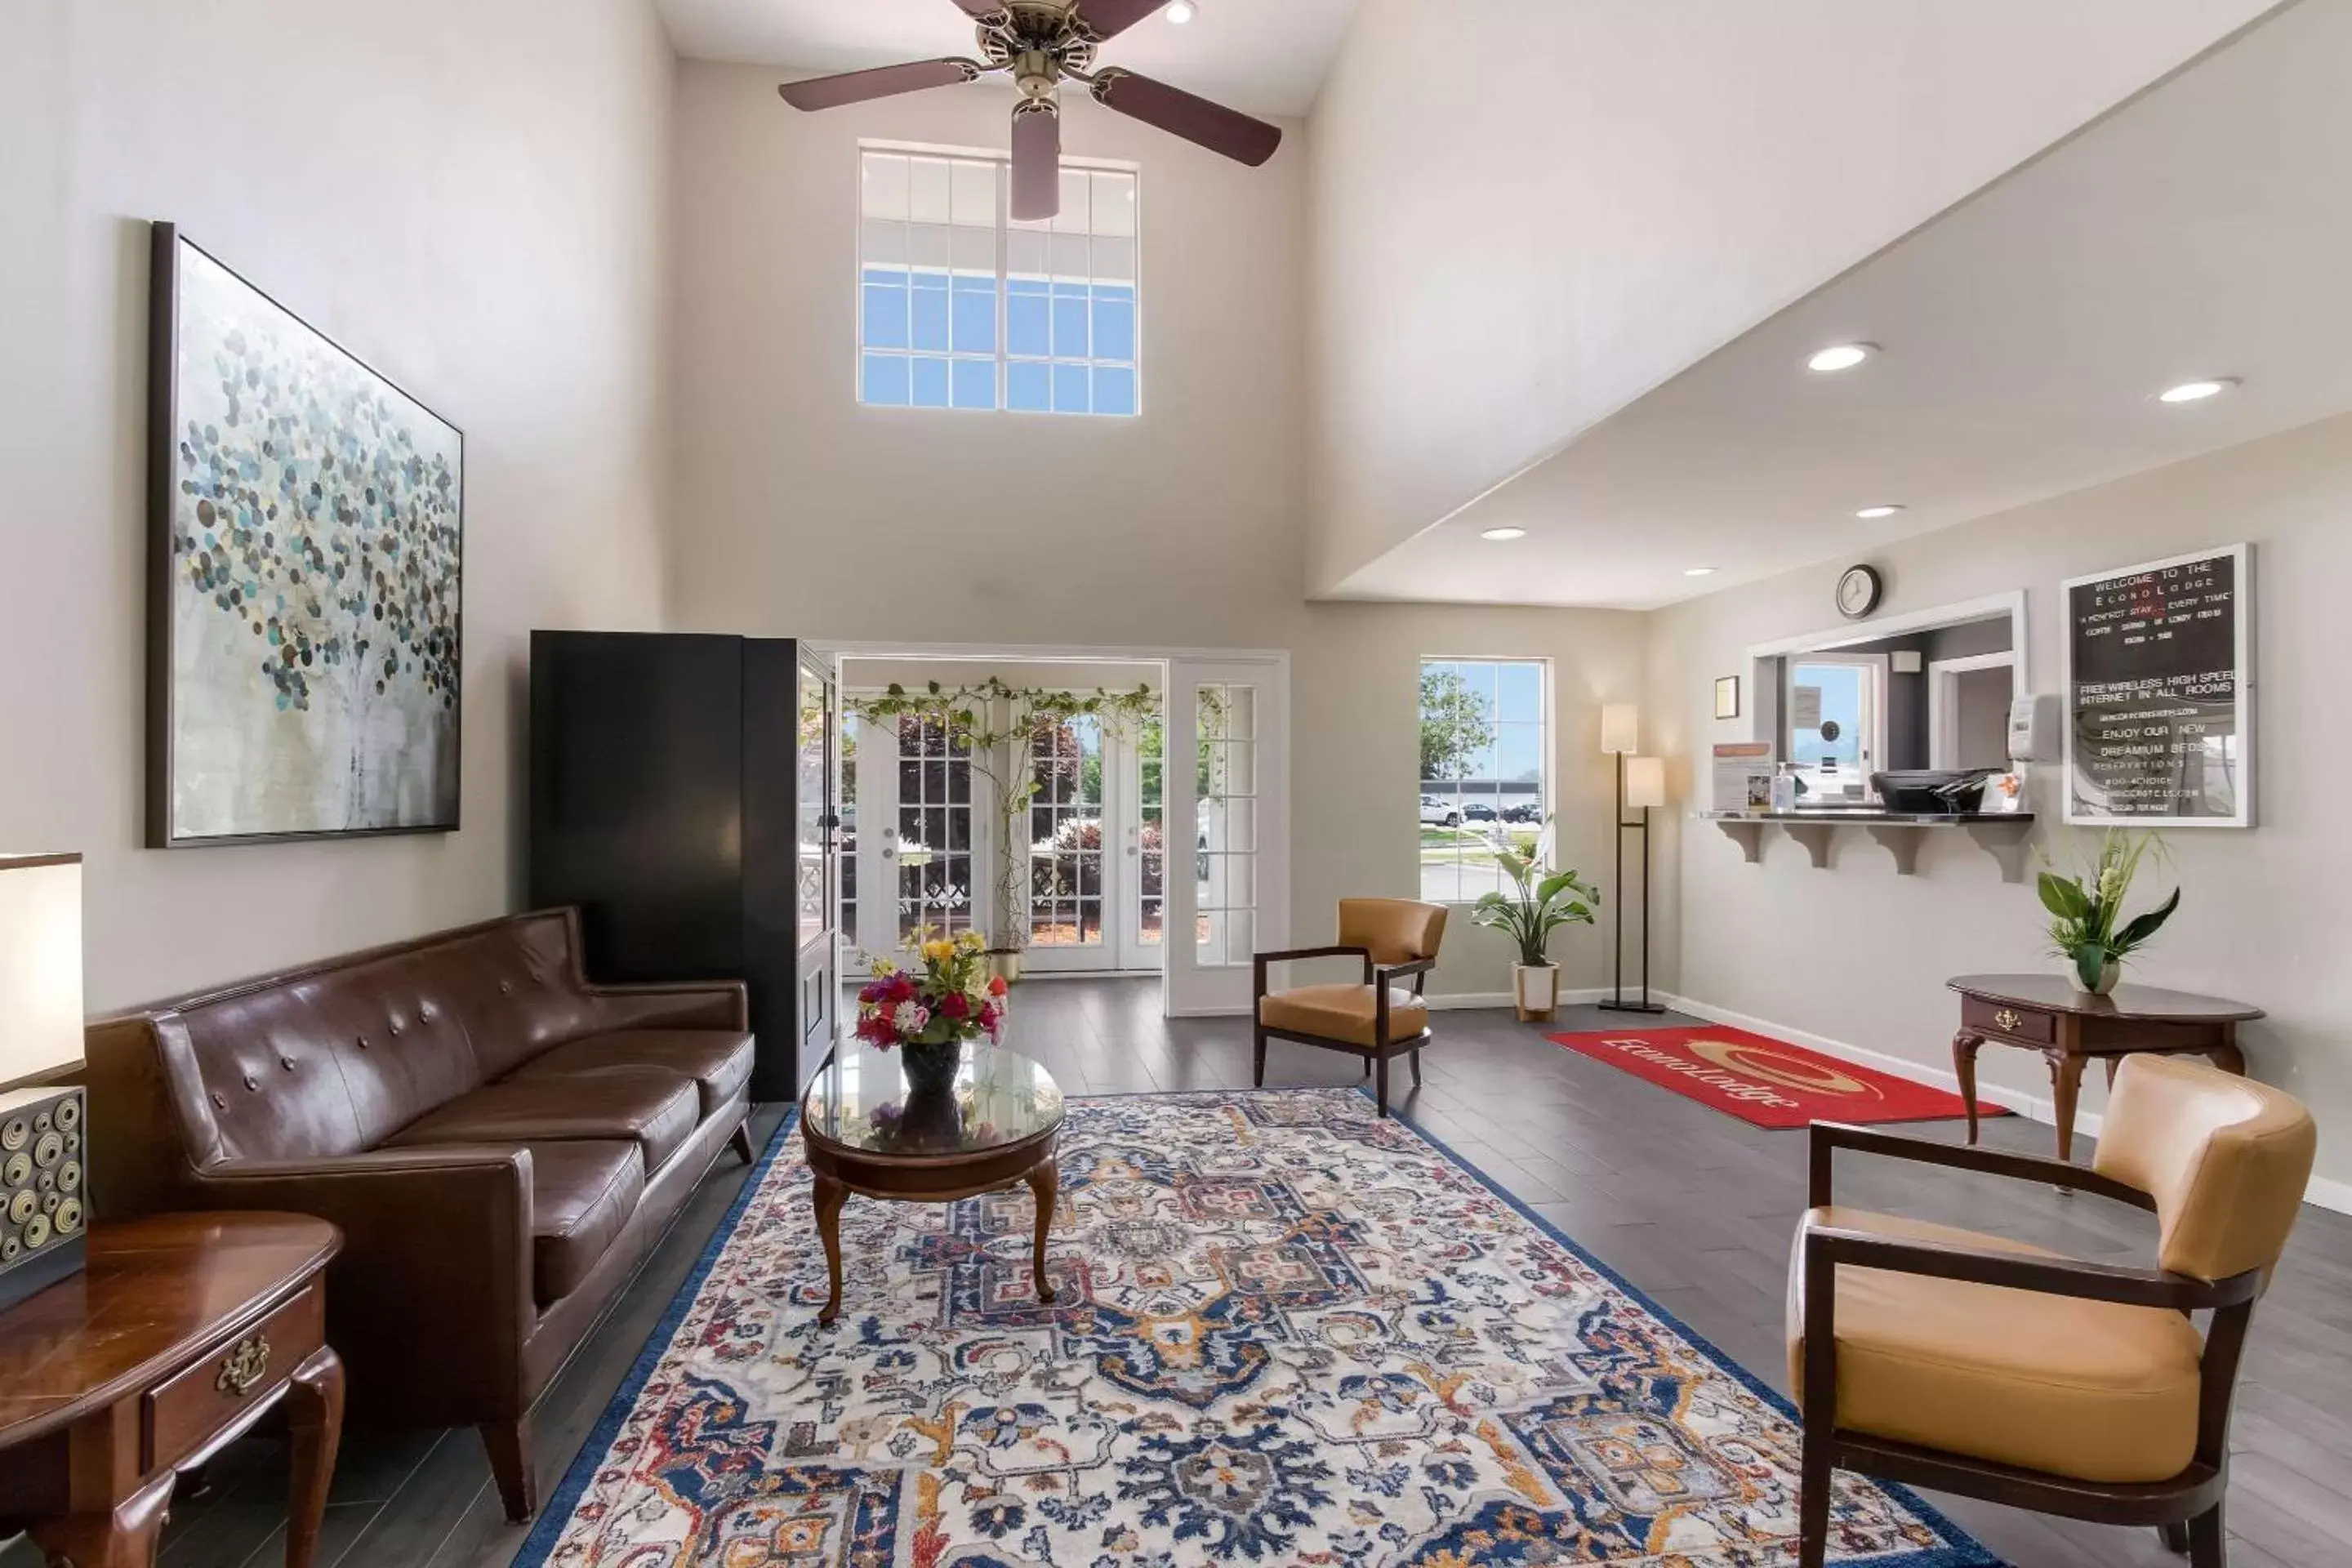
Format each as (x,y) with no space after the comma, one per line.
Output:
(2086,924)
(1542,904)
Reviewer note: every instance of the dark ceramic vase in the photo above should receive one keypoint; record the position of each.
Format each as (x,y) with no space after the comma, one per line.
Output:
(930,1068)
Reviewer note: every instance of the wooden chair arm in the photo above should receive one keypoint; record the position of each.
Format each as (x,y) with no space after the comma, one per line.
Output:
(1387,974)
(1830,1246)
(1259,962)
(1827,1137)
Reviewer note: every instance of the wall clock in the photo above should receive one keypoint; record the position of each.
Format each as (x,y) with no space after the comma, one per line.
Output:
(1858,592)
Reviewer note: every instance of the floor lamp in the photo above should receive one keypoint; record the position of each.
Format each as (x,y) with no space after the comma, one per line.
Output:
(1641,783)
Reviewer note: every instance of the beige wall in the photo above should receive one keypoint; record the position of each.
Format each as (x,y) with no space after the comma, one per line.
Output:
(801,513)
(1624,188)
(468,194)
(1859,955)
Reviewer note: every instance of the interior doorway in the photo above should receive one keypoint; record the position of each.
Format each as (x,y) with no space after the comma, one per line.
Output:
(1059,832)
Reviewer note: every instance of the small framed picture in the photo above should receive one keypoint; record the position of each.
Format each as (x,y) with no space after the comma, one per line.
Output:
(1726,697)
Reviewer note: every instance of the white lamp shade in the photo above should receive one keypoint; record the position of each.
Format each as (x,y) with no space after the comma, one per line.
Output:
(40,965)
(1645,781)
(1620,728)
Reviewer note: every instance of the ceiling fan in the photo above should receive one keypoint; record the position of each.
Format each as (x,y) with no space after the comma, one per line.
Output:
(1040,42)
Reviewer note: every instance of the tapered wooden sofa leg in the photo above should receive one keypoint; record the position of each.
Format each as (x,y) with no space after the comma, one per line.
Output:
(508,1443)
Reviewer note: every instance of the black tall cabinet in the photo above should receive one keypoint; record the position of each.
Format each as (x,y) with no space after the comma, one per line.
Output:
(682,794)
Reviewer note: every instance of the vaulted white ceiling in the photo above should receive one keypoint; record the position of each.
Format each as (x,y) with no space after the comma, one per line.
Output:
(2201,230)
(1264,57)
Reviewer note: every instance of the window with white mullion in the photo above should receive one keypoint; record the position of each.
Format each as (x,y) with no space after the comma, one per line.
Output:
(961,307)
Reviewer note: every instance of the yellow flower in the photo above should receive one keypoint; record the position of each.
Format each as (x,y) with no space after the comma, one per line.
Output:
(938,950)
(971,940)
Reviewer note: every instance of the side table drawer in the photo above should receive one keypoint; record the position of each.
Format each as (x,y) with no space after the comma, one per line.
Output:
(2009,1020)
(232,1377)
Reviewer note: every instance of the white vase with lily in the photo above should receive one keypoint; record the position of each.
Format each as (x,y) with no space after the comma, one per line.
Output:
(1542,901)
(2087,928)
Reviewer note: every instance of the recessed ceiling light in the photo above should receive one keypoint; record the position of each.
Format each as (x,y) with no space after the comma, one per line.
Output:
(1872,513)
(1841,356)
(1698,570)
(2197,391)
(1502,535)
(1183,11)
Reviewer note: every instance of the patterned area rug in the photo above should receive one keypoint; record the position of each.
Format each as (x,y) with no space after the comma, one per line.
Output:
(1288,1334)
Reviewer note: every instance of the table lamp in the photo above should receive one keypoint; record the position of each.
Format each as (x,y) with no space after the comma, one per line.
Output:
(42,1213)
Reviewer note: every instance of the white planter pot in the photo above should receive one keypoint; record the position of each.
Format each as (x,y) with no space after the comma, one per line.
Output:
(1536,987)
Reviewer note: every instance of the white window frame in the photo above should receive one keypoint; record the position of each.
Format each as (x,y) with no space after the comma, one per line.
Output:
(1004,356)
(1880,668)
(1943,699)
(1547,749)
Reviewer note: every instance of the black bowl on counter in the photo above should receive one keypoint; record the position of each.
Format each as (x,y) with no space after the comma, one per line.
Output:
(1937,790)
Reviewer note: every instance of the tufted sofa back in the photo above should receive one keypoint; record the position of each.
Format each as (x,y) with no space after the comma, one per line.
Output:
(335,1057)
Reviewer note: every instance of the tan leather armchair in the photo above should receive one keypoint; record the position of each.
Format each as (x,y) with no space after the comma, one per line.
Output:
(1397,938)
(1970,1364)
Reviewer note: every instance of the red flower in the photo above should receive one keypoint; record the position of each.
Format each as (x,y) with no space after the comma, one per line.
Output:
(956,1005)
(996,985)
(989,1013)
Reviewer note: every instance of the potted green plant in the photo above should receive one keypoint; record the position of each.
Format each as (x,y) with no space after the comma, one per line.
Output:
(2086,924)
(1543,902)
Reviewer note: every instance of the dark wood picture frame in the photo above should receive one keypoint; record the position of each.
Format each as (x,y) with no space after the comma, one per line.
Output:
(164,325)
(1726,697)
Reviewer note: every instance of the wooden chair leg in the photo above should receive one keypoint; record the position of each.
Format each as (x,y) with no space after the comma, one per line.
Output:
(1368,1067)
(1813,1501)
(1381,1082)
(2175,1538)
(1259,1069)
(1416,1067)
(740,1141)
(508,1443)
(2209,1543)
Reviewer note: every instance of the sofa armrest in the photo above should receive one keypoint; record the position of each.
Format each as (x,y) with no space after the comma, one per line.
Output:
(430,1299)
(675,1004)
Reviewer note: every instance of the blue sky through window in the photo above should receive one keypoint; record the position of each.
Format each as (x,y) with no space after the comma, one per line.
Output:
(960,309)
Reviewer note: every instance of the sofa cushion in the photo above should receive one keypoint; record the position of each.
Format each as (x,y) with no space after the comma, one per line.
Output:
(718,1060)
(2095,1389)
(584,1193)
(1341,1013)
(653,1107)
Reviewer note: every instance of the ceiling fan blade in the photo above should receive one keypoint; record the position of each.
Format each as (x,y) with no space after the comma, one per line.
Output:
(987,13)
(1100,19)
(883,81)
(1036,161)
(1172,109)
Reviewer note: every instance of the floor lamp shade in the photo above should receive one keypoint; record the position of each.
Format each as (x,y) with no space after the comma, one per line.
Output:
(1645,782)
(1620,728)
(40,967)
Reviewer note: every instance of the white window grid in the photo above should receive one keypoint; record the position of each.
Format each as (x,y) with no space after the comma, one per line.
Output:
(1462,854)
(1226,855)
(1055,250)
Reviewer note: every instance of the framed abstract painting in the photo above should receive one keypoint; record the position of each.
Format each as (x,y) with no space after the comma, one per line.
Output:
(305,594)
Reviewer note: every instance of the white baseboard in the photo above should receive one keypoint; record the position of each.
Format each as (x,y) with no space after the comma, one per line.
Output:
(2323,1191)
(1568,997)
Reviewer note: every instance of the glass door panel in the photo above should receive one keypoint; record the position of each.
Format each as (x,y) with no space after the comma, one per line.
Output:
(1233,897)
(814,890)
(1835,723)
(1146,850)
(935,850)
(1071,881)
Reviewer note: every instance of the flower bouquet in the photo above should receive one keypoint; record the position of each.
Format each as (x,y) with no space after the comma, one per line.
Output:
(2086,924)
(931,1013)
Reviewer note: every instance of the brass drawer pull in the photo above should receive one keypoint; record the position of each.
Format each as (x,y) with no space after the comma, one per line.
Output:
(2008,1018)
(244,1368)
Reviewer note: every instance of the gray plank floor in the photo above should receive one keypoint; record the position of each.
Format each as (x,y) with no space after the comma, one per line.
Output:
(1692,1206)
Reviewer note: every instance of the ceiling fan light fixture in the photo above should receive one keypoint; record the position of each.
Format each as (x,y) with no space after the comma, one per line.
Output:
(1183,11)
(1840,356)
(2197,391)
(1502,535)
(1873,513)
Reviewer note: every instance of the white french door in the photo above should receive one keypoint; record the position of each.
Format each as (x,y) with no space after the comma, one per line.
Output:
(920,826)
(1230,896)
(1094,864)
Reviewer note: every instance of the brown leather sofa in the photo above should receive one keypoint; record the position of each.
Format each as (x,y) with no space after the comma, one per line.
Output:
(501,1142)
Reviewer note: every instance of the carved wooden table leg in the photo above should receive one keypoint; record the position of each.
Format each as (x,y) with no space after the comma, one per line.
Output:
(314,1420)
(2066,1084)
(2228,1058)
(125,1538)
(1045,1183)
(1964,1066)
(829,1197)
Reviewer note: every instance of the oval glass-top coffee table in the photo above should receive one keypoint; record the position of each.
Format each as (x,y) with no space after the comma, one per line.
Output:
(868,1132)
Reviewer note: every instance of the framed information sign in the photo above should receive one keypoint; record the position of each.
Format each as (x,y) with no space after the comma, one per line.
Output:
(2159,694)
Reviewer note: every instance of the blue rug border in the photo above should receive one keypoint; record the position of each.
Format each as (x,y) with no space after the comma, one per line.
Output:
(556,1512)
(1961,1549)
(1959,1543)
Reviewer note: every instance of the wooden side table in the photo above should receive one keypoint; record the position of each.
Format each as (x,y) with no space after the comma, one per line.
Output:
(182,1333)
(2045,1012)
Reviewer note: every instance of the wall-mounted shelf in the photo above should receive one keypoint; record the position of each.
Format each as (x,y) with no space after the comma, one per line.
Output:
(1999,834)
